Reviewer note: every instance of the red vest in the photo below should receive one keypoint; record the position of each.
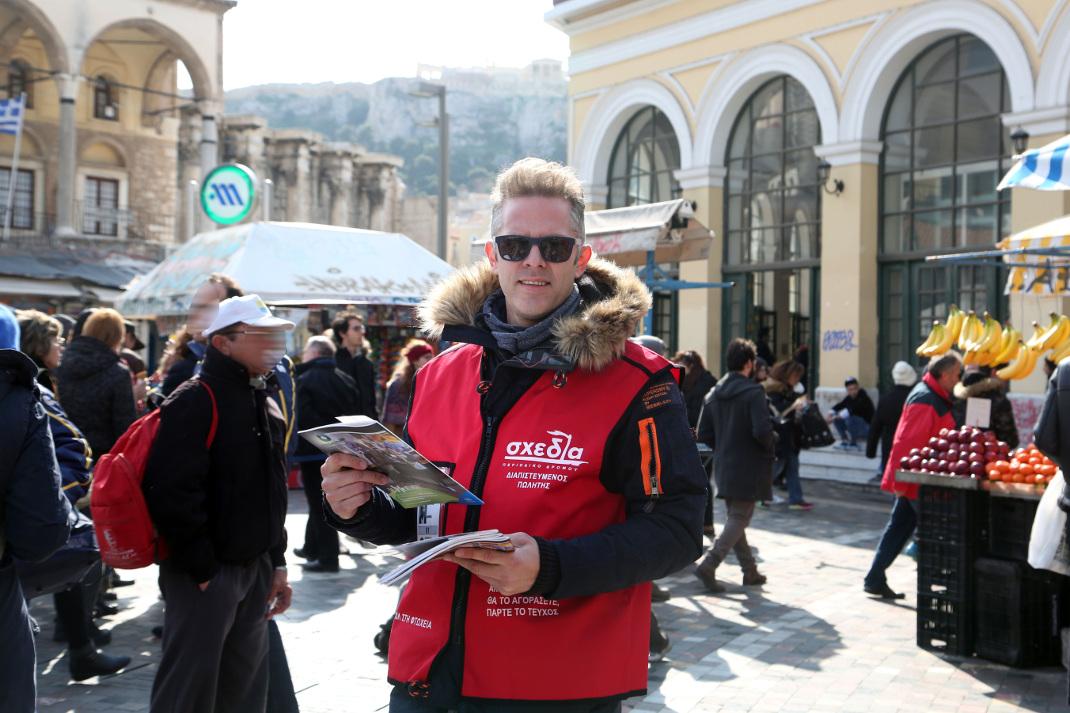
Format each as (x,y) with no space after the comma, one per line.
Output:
(542,478)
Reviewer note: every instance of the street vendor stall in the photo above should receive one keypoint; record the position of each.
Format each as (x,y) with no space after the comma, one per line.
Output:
(300,269)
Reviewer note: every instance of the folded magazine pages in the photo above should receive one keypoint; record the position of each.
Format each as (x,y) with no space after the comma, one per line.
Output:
(423,551)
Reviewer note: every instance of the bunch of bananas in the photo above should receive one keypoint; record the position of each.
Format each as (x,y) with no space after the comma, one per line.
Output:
(983,341)
(1056,337)
(942,336)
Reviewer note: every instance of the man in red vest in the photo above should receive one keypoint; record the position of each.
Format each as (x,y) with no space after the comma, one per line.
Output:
(577,441)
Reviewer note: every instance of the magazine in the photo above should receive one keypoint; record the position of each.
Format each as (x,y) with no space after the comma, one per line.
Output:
(414,480)
(421,552)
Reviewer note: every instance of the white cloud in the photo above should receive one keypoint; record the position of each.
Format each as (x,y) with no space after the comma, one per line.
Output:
(365,40)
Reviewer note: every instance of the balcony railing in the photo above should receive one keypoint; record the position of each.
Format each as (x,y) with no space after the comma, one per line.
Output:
(94,222)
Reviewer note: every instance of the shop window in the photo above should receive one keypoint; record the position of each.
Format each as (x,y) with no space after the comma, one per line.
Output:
(643,161)
(945,149)
(101,208)
(105,100)
(18,81)
(22,213)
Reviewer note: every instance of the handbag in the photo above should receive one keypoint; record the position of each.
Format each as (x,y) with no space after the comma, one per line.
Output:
(67,567)
(813,430)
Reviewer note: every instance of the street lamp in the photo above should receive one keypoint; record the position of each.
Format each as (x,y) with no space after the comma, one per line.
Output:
(823,170)
(1020,140)
(428,90)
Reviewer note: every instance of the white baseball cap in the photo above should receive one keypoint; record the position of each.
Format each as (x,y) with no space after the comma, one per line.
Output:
(250,310)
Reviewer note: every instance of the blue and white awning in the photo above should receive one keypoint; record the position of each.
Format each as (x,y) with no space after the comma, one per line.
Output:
(1044,169)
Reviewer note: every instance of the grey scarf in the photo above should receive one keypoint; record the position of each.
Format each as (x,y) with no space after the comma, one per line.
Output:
(515,340)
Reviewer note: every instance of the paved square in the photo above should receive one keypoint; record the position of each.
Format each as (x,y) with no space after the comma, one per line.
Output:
(807,641)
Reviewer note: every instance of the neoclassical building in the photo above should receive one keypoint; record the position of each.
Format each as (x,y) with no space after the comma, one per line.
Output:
(759,110)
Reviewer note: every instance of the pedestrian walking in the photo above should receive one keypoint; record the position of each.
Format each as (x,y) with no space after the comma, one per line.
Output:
(888,411)
(396,402)
(352,358)
(697,383)
(191,345)
(324,392)
(543,364)
(74,606)
(33,512)
(927,410)
(94,385)
(785,402)
(221,509)
(736,423)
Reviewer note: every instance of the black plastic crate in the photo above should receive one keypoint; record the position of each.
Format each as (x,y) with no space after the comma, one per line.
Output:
(950,515)
(945,569)
(1017,614)
(945,625)
(1010,522)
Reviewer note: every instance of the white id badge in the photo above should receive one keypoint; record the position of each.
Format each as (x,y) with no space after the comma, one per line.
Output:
(428,521)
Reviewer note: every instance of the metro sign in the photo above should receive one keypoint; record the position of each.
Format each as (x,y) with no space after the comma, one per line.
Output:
(228,192)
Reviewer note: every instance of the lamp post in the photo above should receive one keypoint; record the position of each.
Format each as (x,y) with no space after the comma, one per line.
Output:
(1020,140)
(427,90)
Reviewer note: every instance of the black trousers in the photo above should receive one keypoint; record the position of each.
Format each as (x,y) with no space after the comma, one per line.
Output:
(402,702)
(215,642)
(18,658)
(321,540)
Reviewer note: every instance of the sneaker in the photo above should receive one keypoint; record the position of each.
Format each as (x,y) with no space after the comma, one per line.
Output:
(801,506)
(659,647)
(659,594)
(883,591)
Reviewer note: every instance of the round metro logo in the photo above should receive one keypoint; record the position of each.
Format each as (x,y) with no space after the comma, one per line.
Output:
(228,193)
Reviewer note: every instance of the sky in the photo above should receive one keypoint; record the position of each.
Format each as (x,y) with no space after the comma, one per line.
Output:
(269,41)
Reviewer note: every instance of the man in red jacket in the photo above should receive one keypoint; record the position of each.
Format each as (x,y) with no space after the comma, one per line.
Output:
(927,410)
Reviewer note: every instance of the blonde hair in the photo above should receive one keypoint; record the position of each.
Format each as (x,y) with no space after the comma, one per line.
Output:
(105,325)
(538,177)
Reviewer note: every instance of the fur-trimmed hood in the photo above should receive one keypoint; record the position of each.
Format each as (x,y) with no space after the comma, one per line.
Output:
(985,388)
(591,338)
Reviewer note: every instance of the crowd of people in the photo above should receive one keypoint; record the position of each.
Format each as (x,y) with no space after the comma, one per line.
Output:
(540,346)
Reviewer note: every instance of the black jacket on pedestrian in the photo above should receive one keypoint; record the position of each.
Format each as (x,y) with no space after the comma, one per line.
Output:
(861,406)
(1001,417)
(885,420)
(96,392)
(696,390)
(361,369)
(781,397)
(324,392)
(33,517)
(736,423)
(225,504)
(1052,433)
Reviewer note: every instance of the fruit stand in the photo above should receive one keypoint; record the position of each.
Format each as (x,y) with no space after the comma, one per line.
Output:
(976,592)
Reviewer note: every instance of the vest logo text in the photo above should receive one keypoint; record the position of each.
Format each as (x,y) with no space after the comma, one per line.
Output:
(558,451)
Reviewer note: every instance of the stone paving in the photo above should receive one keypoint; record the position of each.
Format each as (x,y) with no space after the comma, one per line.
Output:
(807,641)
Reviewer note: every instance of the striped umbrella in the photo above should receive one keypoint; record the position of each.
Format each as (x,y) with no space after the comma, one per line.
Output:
(1044,169)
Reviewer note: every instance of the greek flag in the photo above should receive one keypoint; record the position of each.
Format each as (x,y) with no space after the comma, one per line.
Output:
(11,111)
(1045,169)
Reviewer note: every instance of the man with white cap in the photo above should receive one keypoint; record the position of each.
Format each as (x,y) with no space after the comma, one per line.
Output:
(215,485)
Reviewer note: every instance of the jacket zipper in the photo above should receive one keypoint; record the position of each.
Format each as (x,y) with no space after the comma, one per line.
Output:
(652,466)
(471,522)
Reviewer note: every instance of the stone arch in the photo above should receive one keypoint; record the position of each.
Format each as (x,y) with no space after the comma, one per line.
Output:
(29,16)
(204,88)
(103,151)
(608,117)
(903,37)
(1053,80)
(729,91)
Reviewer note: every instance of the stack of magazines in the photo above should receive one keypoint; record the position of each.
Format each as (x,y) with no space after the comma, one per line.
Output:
(421,552)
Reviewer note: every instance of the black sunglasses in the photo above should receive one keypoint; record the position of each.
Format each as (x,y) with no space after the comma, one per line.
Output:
(553,248)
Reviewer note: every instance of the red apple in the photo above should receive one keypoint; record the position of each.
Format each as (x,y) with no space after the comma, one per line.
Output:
(991,456)
(944,432)
(975,447)
(934,442)
(942,466)
(927,452)
(976,458)
(914,462)
(942,444)
(953,453)
(952,437)
(915,451)
(904,463)
(977,470)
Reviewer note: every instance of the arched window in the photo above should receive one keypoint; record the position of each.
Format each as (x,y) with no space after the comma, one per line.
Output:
(105,100)
(772,221)
(945,149)
(18,81)
(643,161)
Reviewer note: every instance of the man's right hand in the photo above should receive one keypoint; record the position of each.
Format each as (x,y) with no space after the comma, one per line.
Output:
(204,585)
(347,483)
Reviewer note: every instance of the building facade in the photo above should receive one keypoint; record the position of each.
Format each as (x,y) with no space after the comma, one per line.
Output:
(97,192)
(758,111)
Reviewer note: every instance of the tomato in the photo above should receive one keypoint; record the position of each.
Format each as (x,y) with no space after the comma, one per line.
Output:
(1039,478)
(1036,460)
(1002,466)
(994,474)
(1026,470)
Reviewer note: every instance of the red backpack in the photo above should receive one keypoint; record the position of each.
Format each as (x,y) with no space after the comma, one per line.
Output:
(125,533)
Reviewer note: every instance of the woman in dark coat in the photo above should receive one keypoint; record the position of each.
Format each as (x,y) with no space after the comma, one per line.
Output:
(780,390)
(94,385)
(697,383)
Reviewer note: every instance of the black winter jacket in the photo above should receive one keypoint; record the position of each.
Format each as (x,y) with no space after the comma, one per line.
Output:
(33,510)
(885,420)
(861,405)
(96,392)
(362,371)
(227,503)
(737,425)
(1001,417)
(324,392)
(781,397)
(1052,433)
(694,394)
